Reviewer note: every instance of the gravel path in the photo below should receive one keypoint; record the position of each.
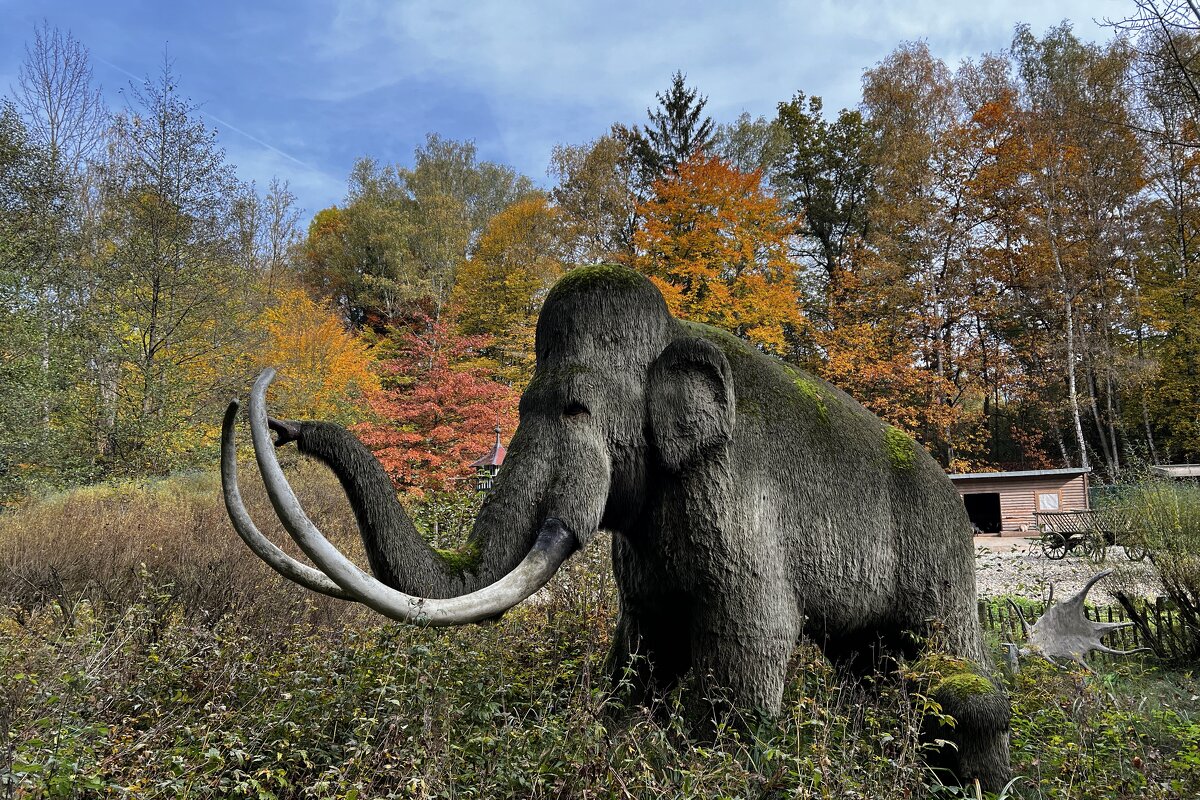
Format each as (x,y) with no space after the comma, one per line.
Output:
(1016,566)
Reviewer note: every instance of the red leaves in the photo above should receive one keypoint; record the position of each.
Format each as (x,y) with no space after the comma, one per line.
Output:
(436,416)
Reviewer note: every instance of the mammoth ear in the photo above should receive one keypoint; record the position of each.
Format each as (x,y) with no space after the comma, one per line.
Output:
(690,401)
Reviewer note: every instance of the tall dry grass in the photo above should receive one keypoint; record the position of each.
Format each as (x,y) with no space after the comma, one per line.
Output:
(113,545)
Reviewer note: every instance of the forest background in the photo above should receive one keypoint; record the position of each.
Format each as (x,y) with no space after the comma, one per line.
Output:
(999,257)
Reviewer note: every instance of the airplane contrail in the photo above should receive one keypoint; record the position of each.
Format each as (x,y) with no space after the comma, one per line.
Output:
(220,121)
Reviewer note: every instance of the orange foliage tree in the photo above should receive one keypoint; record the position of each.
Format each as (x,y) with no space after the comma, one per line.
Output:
(715,244)
(325,372)
(869,353)
(435,415)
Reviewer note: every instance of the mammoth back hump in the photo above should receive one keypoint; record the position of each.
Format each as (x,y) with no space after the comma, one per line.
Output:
(830,454)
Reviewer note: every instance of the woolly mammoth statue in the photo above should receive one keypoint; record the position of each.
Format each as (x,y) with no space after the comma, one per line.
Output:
(749,503)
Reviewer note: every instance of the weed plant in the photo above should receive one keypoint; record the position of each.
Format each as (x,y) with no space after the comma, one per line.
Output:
(1165,517)
(145,653)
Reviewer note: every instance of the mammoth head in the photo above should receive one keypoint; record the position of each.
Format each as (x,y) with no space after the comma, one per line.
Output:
(605,336)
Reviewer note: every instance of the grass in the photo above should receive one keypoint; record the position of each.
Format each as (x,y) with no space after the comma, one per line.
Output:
(145,653)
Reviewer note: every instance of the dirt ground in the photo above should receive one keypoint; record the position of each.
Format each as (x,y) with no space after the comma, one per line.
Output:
(1012,565)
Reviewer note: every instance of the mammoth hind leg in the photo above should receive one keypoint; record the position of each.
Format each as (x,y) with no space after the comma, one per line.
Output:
(977,738)
(981,714)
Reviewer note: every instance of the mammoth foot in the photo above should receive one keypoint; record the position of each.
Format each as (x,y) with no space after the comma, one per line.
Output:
(978,740)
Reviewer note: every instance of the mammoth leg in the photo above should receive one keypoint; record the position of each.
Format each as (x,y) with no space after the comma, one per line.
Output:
(966,691)
(651,646)
(981,713)
(742,641)
(978,739)
(650,652)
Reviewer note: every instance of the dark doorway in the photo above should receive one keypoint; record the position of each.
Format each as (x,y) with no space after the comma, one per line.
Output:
(984,510)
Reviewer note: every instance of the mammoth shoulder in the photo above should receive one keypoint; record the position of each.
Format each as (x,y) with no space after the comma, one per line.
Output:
(769,393)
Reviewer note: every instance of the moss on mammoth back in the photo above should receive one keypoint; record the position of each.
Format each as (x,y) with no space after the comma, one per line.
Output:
(768,387)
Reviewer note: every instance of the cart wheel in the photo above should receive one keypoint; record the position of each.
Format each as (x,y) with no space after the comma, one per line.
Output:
(1054,545)
(1095,548)
(1136,552)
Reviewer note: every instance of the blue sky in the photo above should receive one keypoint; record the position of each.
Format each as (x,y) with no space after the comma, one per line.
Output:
(301,89)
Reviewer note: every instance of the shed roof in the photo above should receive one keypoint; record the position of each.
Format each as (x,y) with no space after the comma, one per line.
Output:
(1176,470)
(1024,474)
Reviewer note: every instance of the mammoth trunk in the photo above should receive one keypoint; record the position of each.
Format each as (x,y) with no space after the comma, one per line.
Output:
(503,533)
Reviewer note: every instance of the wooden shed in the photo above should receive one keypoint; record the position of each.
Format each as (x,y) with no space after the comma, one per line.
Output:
(1003,503)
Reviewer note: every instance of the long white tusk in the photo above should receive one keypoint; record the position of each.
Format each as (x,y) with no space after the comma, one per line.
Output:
(555,542)
(263,547)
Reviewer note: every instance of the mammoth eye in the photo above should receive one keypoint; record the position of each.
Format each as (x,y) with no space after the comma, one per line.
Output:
(576,409)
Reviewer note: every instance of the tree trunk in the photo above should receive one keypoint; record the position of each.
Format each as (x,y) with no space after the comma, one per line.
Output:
(1062,445)
(1149,431)
(1115,421)
(1100,432)
(1072,393)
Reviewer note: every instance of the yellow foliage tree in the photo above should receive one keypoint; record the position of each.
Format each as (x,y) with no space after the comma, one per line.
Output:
(498,292)
(324,370)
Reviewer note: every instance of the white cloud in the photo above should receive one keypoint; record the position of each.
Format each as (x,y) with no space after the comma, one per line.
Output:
(590,64)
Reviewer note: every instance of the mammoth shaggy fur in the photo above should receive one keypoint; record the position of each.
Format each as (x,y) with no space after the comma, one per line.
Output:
(750,504)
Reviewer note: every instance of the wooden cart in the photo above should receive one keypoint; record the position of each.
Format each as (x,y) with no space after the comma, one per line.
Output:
(1091,532)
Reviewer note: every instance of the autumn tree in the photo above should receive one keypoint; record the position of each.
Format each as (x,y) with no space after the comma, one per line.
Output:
(896,215)
(454,196)
(862,355)
(392,249)
(715,243)
(173,293)
(434,417)
(750,143)
(913,276)
(500,289)
(1164,387)
(33,197)
(1015,386)
(1086,177)
(595,195)
(325,372)
(824,173)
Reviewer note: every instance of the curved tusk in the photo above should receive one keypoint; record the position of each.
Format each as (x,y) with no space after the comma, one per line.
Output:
(263,547)
(554,544)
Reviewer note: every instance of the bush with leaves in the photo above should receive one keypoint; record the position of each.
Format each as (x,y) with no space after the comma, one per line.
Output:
(1165,518)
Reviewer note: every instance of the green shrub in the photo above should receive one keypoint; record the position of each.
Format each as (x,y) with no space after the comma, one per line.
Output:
(1166,521)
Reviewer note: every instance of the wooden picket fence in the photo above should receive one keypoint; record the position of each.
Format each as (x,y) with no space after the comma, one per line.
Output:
(1164,623)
